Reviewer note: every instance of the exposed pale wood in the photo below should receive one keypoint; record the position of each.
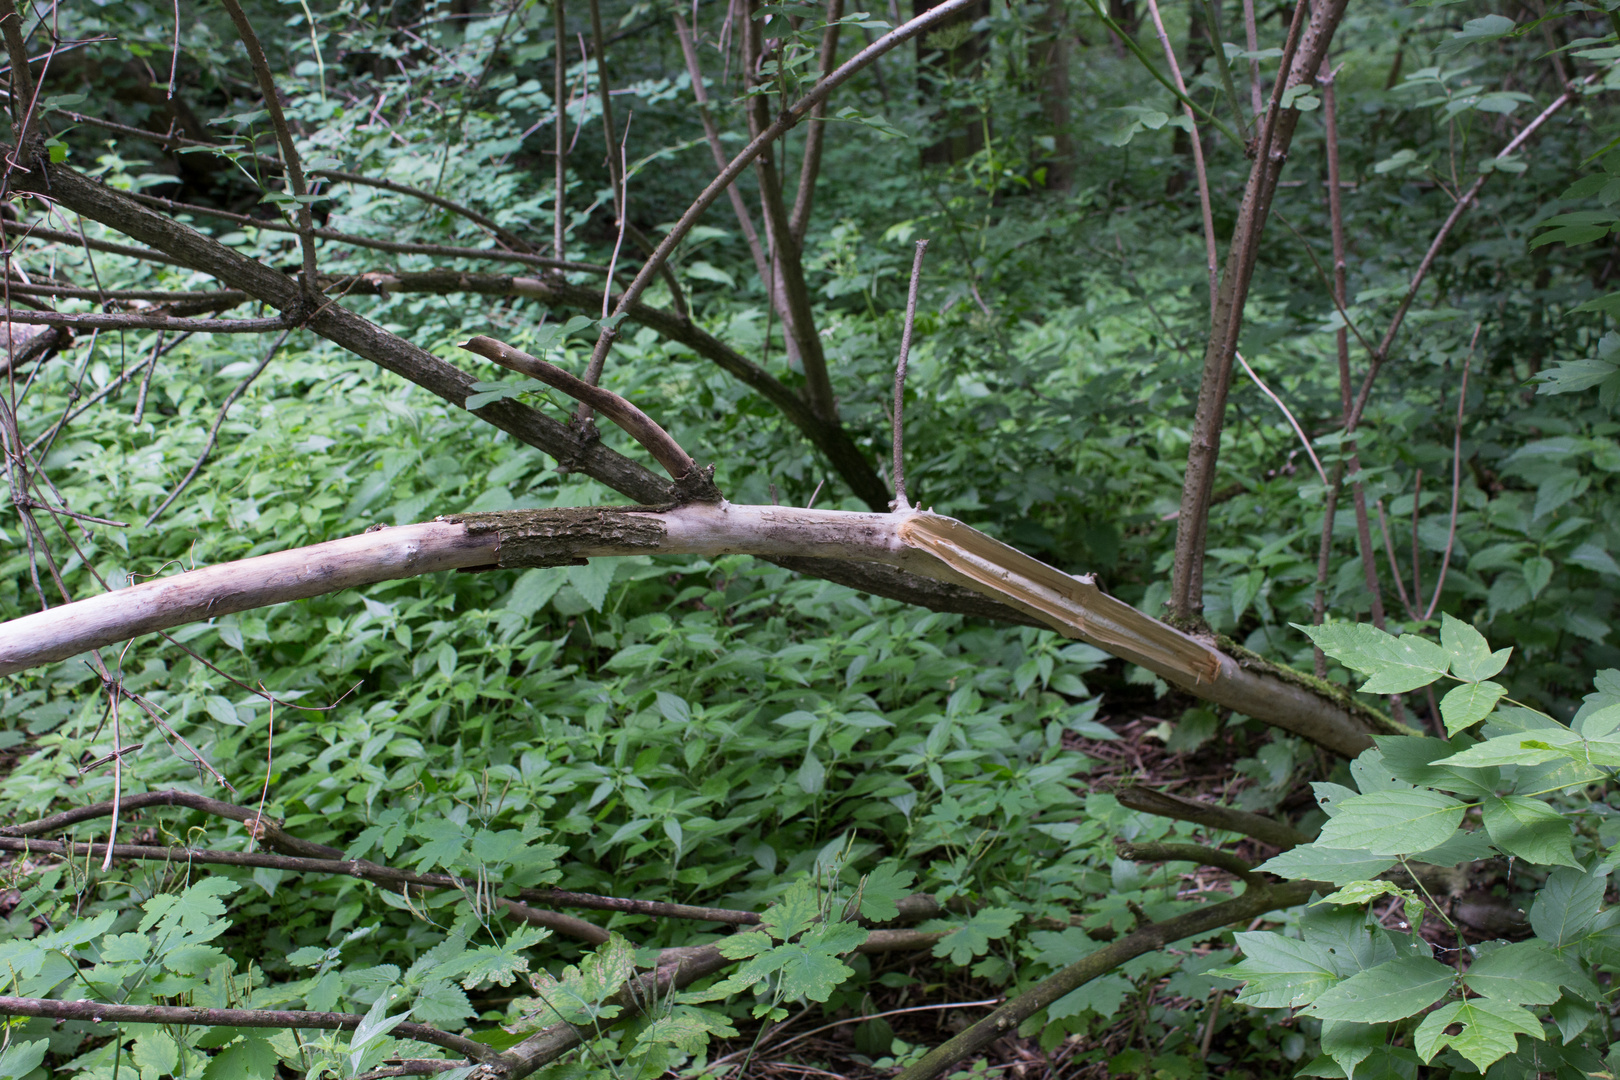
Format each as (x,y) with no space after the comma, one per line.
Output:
(920,543)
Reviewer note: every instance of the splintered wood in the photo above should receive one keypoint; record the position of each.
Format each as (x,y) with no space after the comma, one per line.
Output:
(1074,606)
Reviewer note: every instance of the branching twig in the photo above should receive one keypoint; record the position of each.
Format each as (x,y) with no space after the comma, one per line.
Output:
(213,432)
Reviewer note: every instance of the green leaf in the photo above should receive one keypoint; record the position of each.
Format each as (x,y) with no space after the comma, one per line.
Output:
(973,939)
(1471,657)
(1319,862)
(1102,995)
(1519,748)
(1528,829)
(21,1058)
(1468,704)
(1567,904)
(1394,822)
(592,580)
(882,889)
(252,1058)
(1280,972)
(1391,991)
(1525,973)
(1362,892)
(1475,32)
(1394,665)
(1490,1030)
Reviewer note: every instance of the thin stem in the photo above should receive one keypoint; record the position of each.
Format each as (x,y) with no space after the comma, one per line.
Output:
(284,139)
(219,419)
(559,94)
(815,133)
(900,502)
(1252,39)
(1211,253)
(1304,440)
(610,136)
(1456,481)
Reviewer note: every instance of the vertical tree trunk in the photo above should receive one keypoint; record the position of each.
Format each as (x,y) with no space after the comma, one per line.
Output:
(1049,63)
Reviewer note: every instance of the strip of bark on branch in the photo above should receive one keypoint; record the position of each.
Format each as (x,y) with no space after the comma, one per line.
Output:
(921,543)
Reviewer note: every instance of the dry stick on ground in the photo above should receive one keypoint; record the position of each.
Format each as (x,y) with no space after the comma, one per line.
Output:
(1211,252)
(900,502)
(810,167)
(284,139)
(1257,901)
(1224,818)
(97,1012)
(1197,854)
(1302,56)
(213,431)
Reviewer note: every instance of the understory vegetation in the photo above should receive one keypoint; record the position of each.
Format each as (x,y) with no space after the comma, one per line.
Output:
(484,811)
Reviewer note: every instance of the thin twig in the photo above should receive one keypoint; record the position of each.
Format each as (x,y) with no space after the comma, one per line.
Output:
(99,320)
(284,139)
(559,143)
(1456,480)
(1211,253)
(900,502)
(213,432)
(1304,439)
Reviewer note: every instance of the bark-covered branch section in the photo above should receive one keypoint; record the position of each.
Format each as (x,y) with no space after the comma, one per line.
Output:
(921,544)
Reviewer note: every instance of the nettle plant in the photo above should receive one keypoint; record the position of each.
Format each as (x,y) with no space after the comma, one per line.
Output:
(1511,782)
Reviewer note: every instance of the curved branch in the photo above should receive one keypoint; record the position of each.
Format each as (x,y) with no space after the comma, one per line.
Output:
(35,232)
(831,438)
(637,424)
(921,543)
(96,1012)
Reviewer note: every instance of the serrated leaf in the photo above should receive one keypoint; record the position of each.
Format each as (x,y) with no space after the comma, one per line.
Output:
(1519,748)
(1400,988)
(1490,1030)
(1102,995)
(1394,822)
(973,939)
(1528,829)
(1468,704)
(882,889)
(1393,665)
(1280,972)
(1567,904)
(1319,862)
(1525,973)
